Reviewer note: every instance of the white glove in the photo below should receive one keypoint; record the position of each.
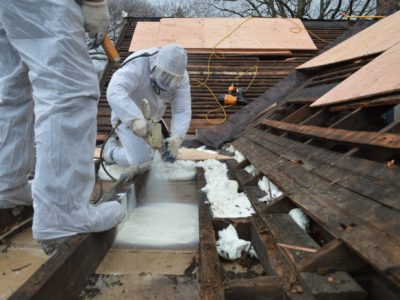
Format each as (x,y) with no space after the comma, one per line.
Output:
(139,127)
(173,144)
(96,17)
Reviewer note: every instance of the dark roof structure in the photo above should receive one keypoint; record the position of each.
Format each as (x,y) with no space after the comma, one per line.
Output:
(271,70)
(339,164)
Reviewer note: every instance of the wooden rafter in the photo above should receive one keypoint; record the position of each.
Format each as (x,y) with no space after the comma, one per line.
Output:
(366,139)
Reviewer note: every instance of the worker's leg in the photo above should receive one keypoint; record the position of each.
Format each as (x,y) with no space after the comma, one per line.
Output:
(48,34)
(134,151)
(16,127)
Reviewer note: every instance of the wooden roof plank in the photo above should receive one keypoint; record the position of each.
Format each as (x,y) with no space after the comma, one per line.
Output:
(376,247)
(364,139)
(375,39)
(236,35)
(378,77)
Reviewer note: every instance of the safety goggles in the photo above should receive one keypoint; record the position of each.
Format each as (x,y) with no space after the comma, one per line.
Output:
(165,80)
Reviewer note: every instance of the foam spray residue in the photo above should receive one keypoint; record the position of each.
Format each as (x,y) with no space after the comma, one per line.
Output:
(222,193)
(161,224)
(161,219)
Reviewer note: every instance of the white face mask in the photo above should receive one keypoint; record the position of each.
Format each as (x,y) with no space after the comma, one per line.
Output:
(165,80)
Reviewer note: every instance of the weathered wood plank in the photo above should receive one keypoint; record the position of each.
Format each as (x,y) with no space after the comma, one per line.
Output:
(368,178)
(378,249)
(334,286)
(308,153)
(210,269)
(363,139)
(255,288)
(379,216)
(286,231)
(64,274)
(299,115)
(245,178)
(385,100)
(334,256)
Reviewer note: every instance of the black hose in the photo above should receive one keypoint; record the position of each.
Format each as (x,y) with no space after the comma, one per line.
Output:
(102,149)
(102,160)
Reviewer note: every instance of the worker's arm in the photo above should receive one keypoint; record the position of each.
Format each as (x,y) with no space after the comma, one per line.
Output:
(123,84)
(181,107)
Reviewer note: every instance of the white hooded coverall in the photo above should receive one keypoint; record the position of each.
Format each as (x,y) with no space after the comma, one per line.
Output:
(128,86)
(48,93)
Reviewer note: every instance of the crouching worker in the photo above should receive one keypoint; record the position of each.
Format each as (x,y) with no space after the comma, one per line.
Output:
(160,76)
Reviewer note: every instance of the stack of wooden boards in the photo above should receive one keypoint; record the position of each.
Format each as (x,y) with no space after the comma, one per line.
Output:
(380,76)
(227,35)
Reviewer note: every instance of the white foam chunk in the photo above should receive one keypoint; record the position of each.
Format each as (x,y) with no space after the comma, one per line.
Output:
(180,170)
(222,193)
(251,170)
(239,157)
(229,246)
(230,149)
(300,218)
(271,190)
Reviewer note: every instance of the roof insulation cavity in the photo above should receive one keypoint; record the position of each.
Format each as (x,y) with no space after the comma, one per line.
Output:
(222,193)
(238,156)
(271,190)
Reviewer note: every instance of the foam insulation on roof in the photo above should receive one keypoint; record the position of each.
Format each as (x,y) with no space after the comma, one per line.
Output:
(374,39)
(379,76)
(222,193)
(271,190)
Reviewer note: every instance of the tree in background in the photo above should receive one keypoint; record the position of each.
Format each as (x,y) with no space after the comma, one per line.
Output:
(312,9)
(387,7)
(187,8)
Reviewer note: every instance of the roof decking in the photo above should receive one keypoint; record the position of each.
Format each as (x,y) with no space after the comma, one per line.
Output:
(338,163)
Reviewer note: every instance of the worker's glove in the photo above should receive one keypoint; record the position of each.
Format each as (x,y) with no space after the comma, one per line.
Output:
(96,18)
(172,145)
(139,127)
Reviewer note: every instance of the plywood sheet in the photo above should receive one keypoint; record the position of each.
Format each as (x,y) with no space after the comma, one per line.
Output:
(237,34)
(146,36)
(379,76)
(257,33)
(375,39)
(189,33)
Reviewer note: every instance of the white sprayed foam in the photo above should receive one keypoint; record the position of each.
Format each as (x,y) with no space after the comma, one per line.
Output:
(222,193)
(230,149)
(238,156)
(161,224)
(180,170)
(271,190)
(251,170)
(300,218)
(229,246)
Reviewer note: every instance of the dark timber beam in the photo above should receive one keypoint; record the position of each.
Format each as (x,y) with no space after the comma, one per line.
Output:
(364,139)
(334,256)
(255,288)
(210,269)
(64,274)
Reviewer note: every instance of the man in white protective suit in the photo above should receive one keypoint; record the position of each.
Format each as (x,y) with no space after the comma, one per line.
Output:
(48,96)
(158,75)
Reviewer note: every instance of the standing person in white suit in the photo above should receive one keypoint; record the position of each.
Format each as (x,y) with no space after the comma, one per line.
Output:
(48,96)
(158,75)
